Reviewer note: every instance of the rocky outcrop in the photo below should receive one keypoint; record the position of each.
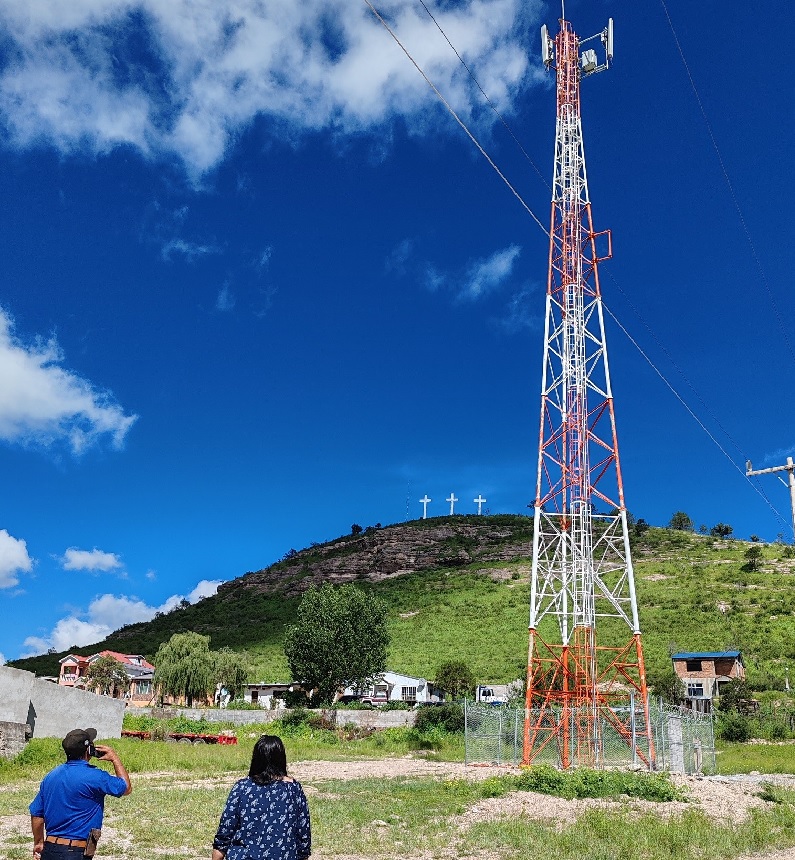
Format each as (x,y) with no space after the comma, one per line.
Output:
(379,553)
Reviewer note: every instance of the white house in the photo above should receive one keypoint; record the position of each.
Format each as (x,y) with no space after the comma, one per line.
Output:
(394,687)
(265,694)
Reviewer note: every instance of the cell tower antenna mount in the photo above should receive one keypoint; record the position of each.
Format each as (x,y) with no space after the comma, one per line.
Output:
(586,679)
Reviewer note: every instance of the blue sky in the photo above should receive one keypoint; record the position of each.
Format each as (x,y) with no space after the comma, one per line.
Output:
(257,285)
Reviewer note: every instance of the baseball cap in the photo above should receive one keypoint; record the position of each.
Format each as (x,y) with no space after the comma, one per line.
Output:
(78,741)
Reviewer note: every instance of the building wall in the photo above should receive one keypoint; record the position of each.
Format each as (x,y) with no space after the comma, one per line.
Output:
(370,719)
(724,667)
(52,710)
(12,738)
(16,688)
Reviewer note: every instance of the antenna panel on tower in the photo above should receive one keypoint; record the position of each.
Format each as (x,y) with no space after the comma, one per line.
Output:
(588,61)
(609,40)
(546,46)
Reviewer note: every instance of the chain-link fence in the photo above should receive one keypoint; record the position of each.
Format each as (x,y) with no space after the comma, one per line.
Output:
(683,740)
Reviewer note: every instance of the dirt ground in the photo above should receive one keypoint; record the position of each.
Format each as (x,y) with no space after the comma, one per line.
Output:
(720,798)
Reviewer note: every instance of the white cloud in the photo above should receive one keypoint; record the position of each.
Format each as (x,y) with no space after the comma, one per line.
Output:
(14,559)
(205,588)
(107,613)
(184,77)
(91,560)
(225,300)
(2,659)
(521,312)
(777,458)
(151,575)
(484,276)
(43,403)
(191,251)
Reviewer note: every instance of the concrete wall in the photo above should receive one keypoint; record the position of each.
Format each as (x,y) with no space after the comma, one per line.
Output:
(51,711)
(16,689)
(12,738)
(374,719)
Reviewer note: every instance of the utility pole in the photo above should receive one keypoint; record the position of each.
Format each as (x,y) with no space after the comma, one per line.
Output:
(580,685)
(789,467)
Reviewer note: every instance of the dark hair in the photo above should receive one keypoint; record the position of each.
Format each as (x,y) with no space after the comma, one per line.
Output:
(268,761)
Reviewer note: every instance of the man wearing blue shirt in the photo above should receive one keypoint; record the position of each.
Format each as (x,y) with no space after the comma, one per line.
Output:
(71,799)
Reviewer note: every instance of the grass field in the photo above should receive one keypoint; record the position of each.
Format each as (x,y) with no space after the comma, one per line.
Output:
(179,792)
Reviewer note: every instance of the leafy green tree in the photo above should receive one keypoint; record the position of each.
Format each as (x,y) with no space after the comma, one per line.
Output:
(106,676)
(184,667)
(721,530)
(454,677)
(733,695)
(339,639)
(755,538)
(681,522)
(667,685)
(641,527)
(231,670)
(753,555)
(356,529)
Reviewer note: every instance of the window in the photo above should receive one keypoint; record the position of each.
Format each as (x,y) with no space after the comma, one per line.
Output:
(408,694)
(695,691)
(144,688)
(693,665)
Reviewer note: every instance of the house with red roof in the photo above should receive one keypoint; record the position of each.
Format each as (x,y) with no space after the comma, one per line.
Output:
(137,668)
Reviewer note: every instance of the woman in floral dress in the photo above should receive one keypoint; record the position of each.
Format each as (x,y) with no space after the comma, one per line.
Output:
(266,815)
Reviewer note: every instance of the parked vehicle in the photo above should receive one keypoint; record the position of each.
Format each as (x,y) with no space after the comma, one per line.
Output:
(492,694)
(186,737)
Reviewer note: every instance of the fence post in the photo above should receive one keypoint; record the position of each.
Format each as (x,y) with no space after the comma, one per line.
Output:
(516,736)
(466,732)
(634,729)
(499,737)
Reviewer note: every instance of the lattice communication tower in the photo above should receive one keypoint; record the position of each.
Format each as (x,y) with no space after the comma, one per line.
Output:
(585,675)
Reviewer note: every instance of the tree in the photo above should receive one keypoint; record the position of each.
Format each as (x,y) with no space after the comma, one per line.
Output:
(667,685)
(106,676)
(753,556)
(231,670)
(641,527)
(339,640)
(733,695)
(721,530)
(681,522)
(755,538)
(356,529)
(455,678)
(184,667)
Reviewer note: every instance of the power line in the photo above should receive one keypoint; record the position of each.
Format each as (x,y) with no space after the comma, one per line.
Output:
(457,118)
(692,414)
(762,275)
(632,340)
(485,96)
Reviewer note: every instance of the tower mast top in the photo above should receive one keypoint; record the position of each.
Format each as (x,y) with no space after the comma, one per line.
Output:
(589,62)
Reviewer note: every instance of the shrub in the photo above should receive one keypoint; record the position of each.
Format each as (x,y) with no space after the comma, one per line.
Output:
(294,718)
(449,717)
(734,727)
(243,705)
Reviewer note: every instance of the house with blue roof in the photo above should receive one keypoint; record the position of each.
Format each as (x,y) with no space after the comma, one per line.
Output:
(704,673)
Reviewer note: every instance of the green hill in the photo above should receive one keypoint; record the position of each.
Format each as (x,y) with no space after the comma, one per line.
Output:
(457,587)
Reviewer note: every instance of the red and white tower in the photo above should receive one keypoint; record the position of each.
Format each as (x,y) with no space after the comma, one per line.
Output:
(586,684)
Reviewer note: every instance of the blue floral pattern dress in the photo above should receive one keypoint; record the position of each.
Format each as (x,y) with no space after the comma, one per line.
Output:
(265,822)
